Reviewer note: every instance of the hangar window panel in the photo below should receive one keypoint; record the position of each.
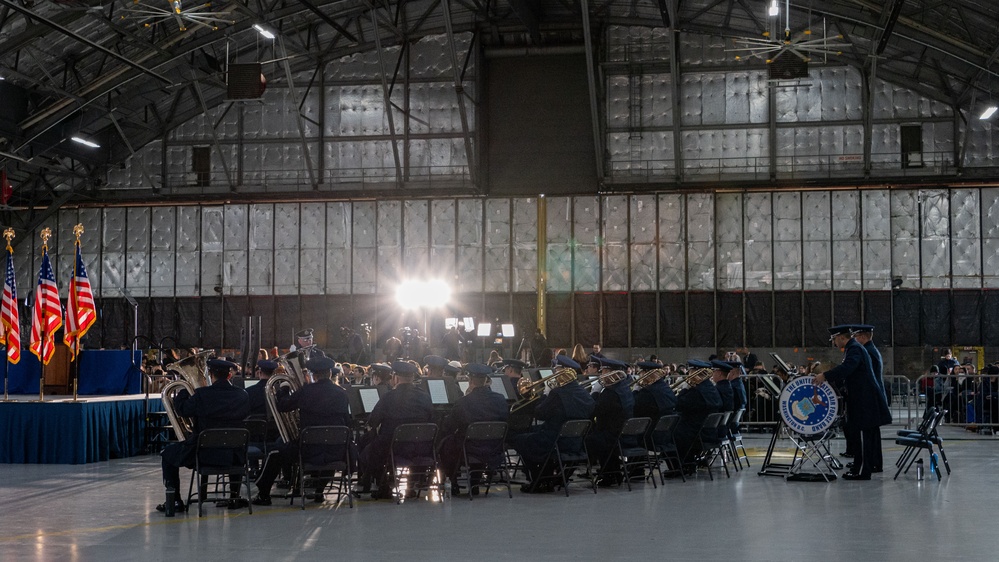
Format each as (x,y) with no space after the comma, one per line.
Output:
(469,274)
(905,237)
(363,236)
(338,248)
(312,239)
(990,237)
(728,231)
(935,244)
(497,245)
(525,244)
(261,250)
(416,242)
(442,249)
(615,235)
(700,242)
(758,241)
(816,232)
(672,243)
(586,247)
(787,241)
(965,238)
(846,246)
(389,245)
(287,224)
(876,215)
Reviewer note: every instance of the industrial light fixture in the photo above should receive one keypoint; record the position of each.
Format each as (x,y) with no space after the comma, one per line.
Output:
(989,112)
(85,142)
(264,32)
(774,10)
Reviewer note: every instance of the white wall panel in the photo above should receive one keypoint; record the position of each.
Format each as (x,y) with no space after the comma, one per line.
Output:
(162,251)
(338,248)
(990,237)
(364,261)
(876,211)
(416,238)
(846,254)
(189,248)
(644,252)
(559,233)
(586,251)
(525,244)
(286,248)
(758,241)
(389,245)
(312,243)
(816,247)
(469,273)
(965,239)
(497,245)
(700,242)
(137,251)
(261,249)
(905,237)
(90,249)
(672,249)
(935,239)
(729,238)
(442,248)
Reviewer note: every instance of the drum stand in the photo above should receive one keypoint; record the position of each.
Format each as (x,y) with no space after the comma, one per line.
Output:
(769,467)
(812,449)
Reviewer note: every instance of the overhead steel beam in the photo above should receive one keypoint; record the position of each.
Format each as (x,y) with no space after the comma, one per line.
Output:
(674,69)
(888,20)
(329,21)
(298,114)
(215,138)
(69,33)
(459,92)
(385,93)
(592,82)
(525,11)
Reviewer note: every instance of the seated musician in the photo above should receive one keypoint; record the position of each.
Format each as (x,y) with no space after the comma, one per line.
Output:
(404,404)
(654,398)
(381,376)
(514,368)
(719,376)
(436,367)
(479,404)
(219,405)
(305,342)
(694,404)
(319,403)
(615,403)
(570,401)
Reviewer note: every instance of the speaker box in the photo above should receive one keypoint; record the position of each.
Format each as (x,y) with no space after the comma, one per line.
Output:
(788,66)
(245,82)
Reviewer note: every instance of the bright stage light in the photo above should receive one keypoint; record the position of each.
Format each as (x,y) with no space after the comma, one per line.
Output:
(433,293)
(507,330)
(485,330)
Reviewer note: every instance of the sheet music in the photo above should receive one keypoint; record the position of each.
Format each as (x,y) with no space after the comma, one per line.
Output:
(463,385)
(438,391)
(496,383)
(369,397)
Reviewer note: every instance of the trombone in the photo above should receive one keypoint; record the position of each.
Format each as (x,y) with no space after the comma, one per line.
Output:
(691,379)
(531,391)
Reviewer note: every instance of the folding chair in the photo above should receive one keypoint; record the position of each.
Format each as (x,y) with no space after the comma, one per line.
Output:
(565,460)
(634,456)
(666,450)
(814,449)
(924,438)
(412,450)
(711,444)
(726,445)
(256,450)
(216,444)
(325,436)
(488,466)
(735,438)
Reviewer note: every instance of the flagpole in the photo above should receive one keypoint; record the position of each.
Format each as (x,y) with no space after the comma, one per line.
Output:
(6,375)
(9,235)
(46,234)
(73,308)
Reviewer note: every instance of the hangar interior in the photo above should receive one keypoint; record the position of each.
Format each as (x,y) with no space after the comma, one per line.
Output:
(670,175)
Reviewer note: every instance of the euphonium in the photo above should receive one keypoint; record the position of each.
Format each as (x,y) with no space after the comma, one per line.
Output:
(293,364)
(191,371)
(649,377)
(692,379)
(287,422)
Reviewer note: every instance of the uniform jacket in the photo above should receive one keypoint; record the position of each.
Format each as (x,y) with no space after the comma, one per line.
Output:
(866,405)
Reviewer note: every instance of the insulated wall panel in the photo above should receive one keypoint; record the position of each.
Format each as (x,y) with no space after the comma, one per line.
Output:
(287,251)
(817,251)
(416,237)
(189,247)
(163,222)
(112,256)
(261,249)
(643,243)
(758,241)
(137,251)
(905,220)
(700,241)
(846,245)
(935,259)
(338,248)
(525,244)
(364,241)
(876,216)
(586,251)
(672,242)
(442,243)
(389,245)
(497,245)
(729,236)
(615,248)
(312,241)
(990,237)
(559,233)
(470,227)
(787,241)
(965,238)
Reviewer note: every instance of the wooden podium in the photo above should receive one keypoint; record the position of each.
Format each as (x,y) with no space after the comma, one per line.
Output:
(57,376)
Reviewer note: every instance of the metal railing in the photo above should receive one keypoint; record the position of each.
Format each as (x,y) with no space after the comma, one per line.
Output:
(291,180)
(971,401)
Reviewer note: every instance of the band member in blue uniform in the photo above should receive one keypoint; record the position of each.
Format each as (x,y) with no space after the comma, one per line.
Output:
(864,333)
(719,376)
(320,403)
(653,398)
(695,404)
(739,398)
(479,404)
(570,401)
(257,393)
(514,368)
(867,409)
(218,405)
(404,404)
(614,405)
(305,343)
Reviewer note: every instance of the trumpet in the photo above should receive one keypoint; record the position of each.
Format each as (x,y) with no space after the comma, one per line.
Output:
(692,379)
(648,378)
(531,391)
(192,377)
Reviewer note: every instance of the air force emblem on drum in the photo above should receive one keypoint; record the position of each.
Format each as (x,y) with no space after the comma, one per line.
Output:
(808,409)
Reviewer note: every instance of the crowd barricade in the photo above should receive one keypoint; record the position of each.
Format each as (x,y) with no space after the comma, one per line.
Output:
(903,400)
(762,400)
(971,401)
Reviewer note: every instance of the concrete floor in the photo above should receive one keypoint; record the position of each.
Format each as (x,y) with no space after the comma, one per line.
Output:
(105,511)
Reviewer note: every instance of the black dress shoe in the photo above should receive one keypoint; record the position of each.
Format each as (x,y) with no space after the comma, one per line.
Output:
(847,455)
(850,465)
(852,476)
(318,498)
(178,507)
(237,503)
(262,500)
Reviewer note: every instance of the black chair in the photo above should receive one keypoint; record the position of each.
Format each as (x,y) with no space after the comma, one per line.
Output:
(666,450)
(712,446)
(925,437)
(632,457)
(213,446)
(412,451)
(561,457)
(492,467)
(258,447)
(735,438)
(325,436)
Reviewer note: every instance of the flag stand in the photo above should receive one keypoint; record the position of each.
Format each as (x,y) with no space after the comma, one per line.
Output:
(6,377)
(76,382)
(41,386)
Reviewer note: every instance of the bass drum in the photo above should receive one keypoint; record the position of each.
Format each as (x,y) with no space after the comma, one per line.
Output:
(808,409)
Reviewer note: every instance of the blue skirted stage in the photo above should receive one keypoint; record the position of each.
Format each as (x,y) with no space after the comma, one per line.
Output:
(58,431)
(64,432)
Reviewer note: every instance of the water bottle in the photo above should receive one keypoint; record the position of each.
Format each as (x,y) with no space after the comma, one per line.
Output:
(919,469)
(933,463)
(169,506)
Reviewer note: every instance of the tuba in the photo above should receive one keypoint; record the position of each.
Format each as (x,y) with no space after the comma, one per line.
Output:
(292,375)
(192,373)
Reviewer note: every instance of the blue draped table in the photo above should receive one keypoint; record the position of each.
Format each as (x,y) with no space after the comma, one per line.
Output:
(60,432)
(102,371)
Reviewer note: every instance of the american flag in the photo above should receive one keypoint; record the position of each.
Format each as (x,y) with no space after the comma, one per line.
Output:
(80,310)
(10,324)
(46,318)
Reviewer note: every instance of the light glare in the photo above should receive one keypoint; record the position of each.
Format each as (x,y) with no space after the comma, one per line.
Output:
(433,293)
(989,112)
